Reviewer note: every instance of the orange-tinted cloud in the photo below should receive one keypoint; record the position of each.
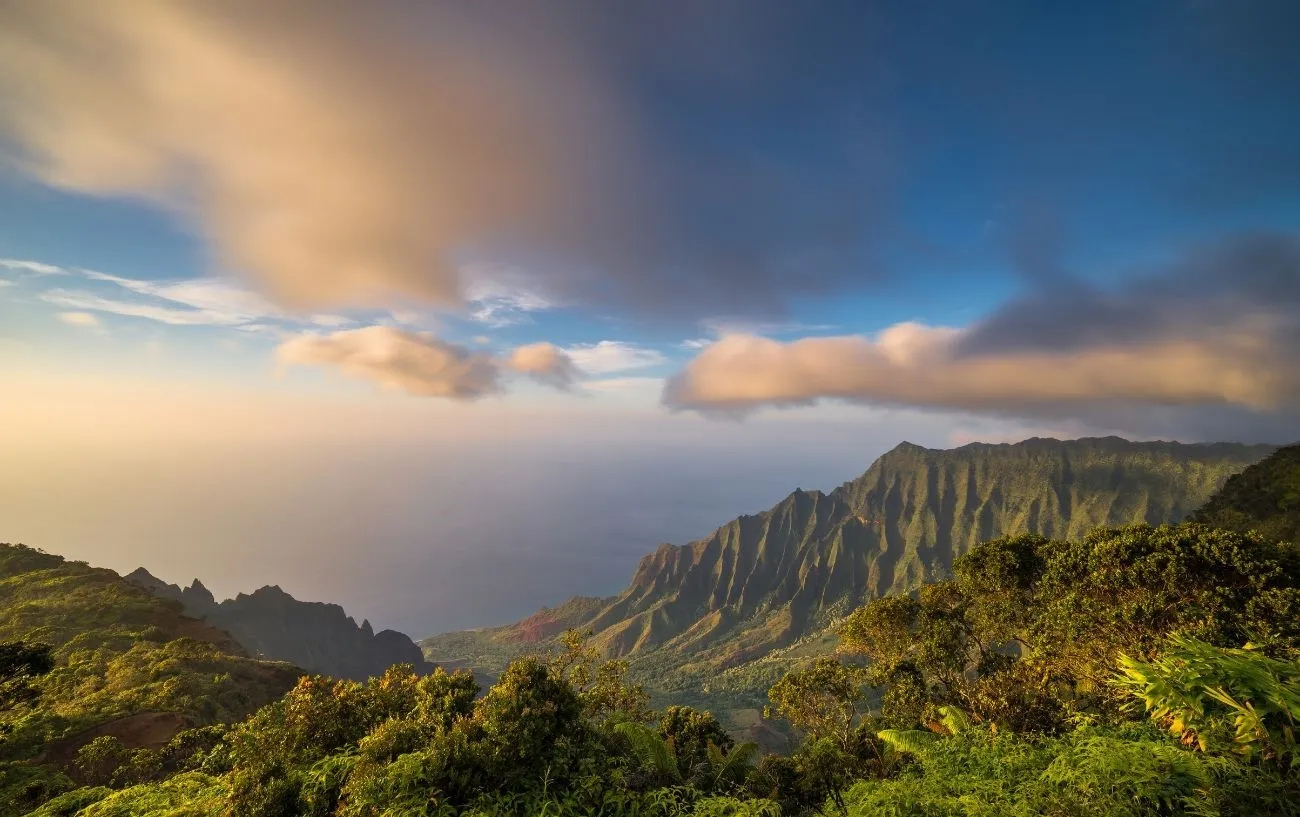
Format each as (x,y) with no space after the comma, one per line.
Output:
(422,365)
(545,363)
(416,364)
(915,365)
(319,146)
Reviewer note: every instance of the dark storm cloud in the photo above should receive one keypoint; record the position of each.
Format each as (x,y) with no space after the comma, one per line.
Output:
(1249,276)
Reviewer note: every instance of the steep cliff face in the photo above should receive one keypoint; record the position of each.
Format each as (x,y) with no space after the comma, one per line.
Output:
(315,636)
(929,506)
(762,581)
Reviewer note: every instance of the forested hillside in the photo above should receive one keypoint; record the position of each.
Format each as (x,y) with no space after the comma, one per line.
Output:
(124,665)
(1264,498)
(778,579)
(270,623)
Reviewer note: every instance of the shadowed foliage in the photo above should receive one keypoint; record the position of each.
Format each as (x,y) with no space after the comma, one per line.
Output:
(1265,498)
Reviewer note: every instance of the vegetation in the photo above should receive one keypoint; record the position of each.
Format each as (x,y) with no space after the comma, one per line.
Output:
(1263,498)
(1136,670)
(90,656)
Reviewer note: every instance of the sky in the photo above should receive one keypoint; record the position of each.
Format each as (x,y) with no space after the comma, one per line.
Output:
(446,311)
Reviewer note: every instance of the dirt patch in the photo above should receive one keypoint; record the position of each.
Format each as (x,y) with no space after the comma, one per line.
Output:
(143,730)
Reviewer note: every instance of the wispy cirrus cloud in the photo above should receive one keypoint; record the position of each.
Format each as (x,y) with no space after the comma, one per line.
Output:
(717,327)
(33,267)
(82,300)
(187,302)
(502,296)
(612,356)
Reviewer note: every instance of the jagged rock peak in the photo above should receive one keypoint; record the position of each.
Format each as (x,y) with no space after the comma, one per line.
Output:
(316,636)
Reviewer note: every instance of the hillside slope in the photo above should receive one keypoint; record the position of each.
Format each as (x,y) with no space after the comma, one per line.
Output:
(765,581)
(1265,497)
(123,659)
(316,636)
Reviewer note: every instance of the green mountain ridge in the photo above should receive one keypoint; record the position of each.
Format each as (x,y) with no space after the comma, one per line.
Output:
(1263,498)
(767,581)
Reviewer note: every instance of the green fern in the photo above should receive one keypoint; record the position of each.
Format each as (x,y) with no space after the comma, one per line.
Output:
(652,751)
(1195,688)
(908,741)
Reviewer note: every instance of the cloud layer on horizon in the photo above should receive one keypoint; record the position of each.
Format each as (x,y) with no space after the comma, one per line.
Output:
(1219,328)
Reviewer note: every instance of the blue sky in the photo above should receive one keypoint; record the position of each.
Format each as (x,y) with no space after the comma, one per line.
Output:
(420,224)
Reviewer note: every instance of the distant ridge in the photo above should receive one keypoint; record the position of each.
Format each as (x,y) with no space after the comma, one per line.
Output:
(269,622)
(765,580)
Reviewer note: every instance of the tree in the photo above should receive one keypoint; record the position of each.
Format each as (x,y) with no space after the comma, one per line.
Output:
(1030,628)
(690,733)
(1263,498)
(99,760)
(824,700)
(531,722)
(600,684)
(21,663)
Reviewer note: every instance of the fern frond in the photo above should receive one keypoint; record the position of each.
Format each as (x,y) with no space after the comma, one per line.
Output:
(650,749)
(908,741)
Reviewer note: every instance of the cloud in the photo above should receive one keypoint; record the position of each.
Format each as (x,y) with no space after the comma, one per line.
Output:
(325,148)
(80,319)
(351,155)
(204,301)
(422,365)
(610,356)
(81,300)
(1218,331)
(1209,286)
(34,267)
(911,364)
(717,327)
(546,363)
(419,365)
(502,297)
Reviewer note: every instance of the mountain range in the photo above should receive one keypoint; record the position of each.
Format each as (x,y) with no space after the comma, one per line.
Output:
(768,587)
(270,623)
